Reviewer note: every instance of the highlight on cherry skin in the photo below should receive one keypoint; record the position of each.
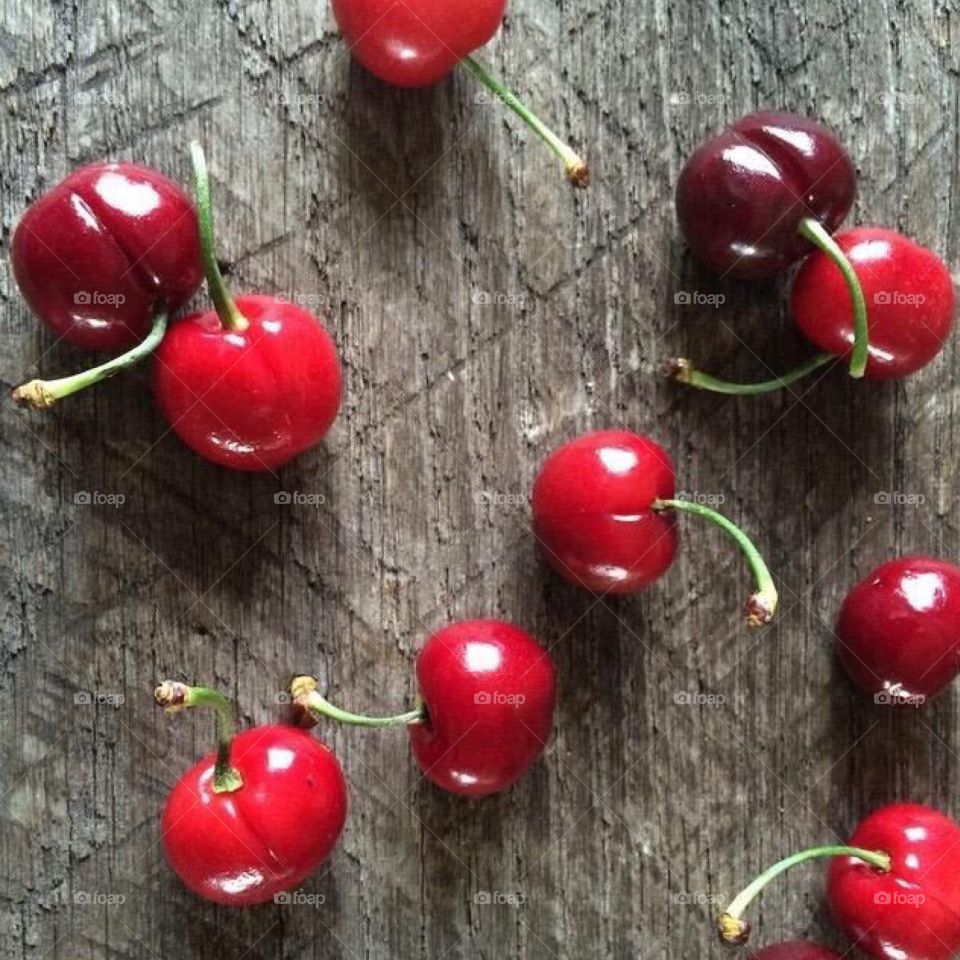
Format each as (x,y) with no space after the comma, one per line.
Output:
(904,303)
(256,818)
(419,42)
(86,259)
(898,631)
(252,383)
(605,517)
(891,889)
(484,710)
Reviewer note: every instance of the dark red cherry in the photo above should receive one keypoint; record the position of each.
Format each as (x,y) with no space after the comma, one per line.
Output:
(898,633)
(743,196)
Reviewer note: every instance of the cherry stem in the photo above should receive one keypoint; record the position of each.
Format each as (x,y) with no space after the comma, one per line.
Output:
(578,171)
(227,310)
(762,604)
(305,694)
(734,929)
(819,236)
(42,394)
(174,696)
(683,371)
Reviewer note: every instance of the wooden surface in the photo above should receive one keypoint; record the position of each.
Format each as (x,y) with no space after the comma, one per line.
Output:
(485,312)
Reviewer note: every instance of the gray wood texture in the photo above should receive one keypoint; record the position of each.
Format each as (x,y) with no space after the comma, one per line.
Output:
(400,214)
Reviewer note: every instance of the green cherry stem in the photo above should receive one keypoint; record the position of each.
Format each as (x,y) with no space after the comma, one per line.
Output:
(734,929)
(683,371)
(762,604)
(578,171)
(304,691)
(227,310)
(42,394)
(174,696)
(819,236)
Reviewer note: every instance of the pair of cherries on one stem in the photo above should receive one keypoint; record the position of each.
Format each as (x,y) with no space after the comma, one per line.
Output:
(751,201)
(416,43)
(259,816)
(109,253)
(892,889)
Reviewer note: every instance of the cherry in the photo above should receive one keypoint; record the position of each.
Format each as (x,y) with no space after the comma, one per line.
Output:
(256,818)
(251,384)
(909,294)
(102,259)
(892,889)
(416,43)
(900,294)
(604,515)
(746,198)
(486,698)
(796,950)
(898,633)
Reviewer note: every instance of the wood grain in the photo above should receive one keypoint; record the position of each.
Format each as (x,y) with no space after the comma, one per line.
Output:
(485,312)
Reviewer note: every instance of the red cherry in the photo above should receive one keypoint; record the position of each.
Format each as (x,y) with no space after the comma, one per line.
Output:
(417,42)
(104,251)
(796,950)
(911,912)
(249,399)
(898,633)
(603,514)
(488,691)
(909,295)
(743,196)
(256,818)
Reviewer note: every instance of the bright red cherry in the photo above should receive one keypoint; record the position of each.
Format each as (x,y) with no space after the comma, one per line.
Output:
(909,295)
(746,198)
(251,384)
(892,889)
(255,819)
(796,950)
(487,693)
(898,633)
(415,43)
(105,251)
(912,911)
(604,515)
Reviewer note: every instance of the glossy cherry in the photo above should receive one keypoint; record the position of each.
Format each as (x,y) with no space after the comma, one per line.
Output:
(251,384)
(892,889)
(898,633)
(901,294)
(418,42)
(796,950)
(604,515)
(909,295)
(255,819)
(485,713)
(746,197)
(105,251)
